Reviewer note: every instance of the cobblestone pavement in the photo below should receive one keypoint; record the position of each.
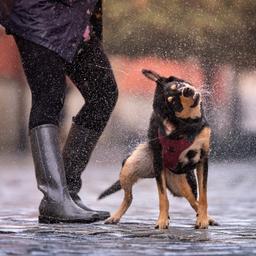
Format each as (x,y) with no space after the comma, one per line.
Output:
(232,197)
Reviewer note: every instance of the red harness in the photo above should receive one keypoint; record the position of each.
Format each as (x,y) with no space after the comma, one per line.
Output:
(172,149)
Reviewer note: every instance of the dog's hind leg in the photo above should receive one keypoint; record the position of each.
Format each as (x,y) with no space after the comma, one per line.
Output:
(163,219)
(115,217)
(183,186)
(139,165)
(127,181)
(189,188)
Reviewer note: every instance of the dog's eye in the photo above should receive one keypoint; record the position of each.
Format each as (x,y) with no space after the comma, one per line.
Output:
(174,87)
(169,99)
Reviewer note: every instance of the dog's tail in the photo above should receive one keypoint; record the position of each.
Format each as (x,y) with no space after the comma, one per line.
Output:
(114,188)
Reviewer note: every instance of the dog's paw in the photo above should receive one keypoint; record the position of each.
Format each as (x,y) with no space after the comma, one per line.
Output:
(188,92)
(112,220)
(162,223)
(202,222)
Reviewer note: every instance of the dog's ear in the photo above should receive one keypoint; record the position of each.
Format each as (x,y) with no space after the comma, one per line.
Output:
(151,75)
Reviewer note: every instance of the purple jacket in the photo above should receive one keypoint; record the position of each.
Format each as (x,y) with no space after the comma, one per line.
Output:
(56,25)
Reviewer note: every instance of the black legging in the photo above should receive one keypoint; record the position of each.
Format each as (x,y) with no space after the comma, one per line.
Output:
(91,73)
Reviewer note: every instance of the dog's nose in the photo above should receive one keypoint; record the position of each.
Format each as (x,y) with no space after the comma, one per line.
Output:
(188,92)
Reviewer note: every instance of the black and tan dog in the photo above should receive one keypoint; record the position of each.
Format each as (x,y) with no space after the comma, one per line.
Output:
(178,143)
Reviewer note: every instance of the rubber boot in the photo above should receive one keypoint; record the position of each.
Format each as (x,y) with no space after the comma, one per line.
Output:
(76,154)
(56,206)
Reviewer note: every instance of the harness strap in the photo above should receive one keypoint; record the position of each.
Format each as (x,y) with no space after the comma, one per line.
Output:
(172,149)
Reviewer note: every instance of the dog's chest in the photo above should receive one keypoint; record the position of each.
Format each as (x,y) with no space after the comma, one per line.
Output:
(172,149)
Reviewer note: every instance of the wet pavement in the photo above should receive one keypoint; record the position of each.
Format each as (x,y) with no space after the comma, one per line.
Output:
(232,197)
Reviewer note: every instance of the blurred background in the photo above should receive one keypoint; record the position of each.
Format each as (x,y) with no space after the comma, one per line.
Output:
(207,42)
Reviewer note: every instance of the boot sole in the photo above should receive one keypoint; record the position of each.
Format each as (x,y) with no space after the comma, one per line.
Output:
(101,214)
(53,220)
(104,217)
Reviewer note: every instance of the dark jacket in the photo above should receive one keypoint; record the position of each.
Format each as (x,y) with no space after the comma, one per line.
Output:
(5,9)
(56,25)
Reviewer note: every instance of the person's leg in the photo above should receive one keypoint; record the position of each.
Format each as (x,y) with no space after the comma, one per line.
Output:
(44,71)
(92,74)
(45,75)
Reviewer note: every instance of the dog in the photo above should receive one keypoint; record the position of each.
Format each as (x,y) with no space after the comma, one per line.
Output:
(176,153)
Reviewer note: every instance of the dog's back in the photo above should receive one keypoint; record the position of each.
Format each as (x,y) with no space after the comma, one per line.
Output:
(139,165)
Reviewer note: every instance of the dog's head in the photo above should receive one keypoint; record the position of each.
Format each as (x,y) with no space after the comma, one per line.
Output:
(175,97)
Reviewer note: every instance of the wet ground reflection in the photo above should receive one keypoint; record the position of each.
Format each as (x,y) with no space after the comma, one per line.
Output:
(231,201)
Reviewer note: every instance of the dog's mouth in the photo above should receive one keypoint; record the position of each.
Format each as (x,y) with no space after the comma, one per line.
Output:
(180,96)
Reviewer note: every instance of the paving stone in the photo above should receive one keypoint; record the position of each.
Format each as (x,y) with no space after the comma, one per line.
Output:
(232,203)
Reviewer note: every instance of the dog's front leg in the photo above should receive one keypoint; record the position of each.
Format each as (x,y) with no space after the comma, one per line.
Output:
(202,214)
(163,219)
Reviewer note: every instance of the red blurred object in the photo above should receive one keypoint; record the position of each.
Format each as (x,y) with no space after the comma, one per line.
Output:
(130,79)
(127,70)
(10,65)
